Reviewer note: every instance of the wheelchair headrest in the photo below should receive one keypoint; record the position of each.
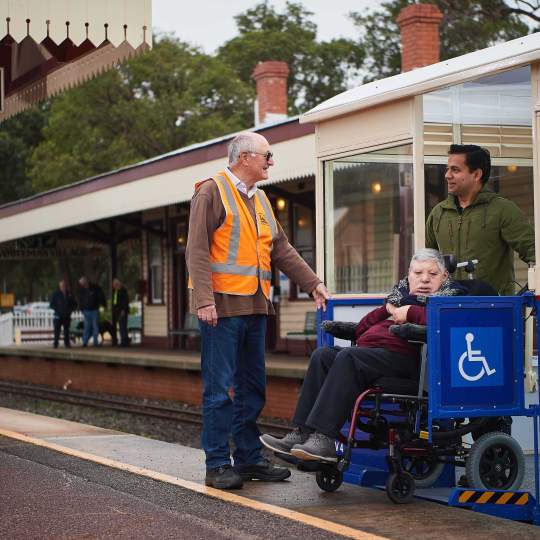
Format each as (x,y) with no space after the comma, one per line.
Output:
(450,261)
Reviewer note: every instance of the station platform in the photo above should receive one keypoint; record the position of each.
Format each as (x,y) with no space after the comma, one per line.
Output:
(141,372)
(352,511)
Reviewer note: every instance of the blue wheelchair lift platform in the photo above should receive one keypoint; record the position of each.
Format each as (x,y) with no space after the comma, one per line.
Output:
(475,370)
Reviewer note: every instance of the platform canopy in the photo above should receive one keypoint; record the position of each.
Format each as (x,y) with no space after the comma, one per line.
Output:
(49,45)
(161,181)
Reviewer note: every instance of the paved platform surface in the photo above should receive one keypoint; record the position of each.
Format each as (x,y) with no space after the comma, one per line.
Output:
(277,365)
(177,498)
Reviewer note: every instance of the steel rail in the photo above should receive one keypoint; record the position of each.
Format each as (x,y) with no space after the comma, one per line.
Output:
(116,404)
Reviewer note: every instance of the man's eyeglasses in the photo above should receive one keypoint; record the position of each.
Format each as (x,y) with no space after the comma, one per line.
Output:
(267,155)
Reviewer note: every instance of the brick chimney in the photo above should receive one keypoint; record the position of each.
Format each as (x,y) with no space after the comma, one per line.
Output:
(420,42)
(271,79)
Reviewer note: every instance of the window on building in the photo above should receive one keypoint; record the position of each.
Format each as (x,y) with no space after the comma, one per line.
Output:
(369,220)
(494,112)
(155,268)
(304,241)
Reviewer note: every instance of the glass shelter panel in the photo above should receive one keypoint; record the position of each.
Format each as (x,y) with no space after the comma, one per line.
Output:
(369,220)
(494,112)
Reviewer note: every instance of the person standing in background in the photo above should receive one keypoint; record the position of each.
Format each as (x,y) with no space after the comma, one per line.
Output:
(120,312)
(63,303)
(91,297)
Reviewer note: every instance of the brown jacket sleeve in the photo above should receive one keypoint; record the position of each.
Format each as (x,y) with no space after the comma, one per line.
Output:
(287,259)
(206,214)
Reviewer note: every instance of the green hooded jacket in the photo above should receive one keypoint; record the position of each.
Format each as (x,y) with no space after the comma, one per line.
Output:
(488,230)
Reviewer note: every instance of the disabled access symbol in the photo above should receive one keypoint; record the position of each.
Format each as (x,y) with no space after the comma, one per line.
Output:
(474,356)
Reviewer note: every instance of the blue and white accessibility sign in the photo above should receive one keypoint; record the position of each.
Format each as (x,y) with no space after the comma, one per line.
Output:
(476,356)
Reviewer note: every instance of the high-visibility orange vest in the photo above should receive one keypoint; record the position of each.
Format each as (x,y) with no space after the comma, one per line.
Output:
(240,249)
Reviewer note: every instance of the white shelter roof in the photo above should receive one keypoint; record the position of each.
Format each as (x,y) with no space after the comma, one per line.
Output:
(504,56)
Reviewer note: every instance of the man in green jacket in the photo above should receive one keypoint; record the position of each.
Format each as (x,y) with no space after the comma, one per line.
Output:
(475,223)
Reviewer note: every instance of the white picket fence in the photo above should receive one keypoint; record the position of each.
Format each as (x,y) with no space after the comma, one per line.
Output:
(7,332)
(37,327)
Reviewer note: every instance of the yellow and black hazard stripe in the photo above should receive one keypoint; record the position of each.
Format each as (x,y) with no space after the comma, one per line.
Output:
(518,498)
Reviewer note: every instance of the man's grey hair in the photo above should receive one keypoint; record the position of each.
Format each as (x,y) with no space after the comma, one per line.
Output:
(427,254)
(244,142)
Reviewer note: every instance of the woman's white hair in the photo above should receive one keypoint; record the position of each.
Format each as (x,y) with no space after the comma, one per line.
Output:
(244,142)
(427,254)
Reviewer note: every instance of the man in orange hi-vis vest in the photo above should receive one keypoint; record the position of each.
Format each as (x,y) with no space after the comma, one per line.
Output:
(233,239)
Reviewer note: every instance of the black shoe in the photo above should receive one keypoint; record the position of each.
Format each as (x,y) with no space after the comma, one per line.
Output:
(224,477)
(55,345)
(85,344)
(284,445)
(264,471)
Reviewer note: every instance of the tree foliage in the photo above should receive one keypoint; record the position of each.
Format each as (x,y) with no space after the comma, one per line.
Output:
(467,26)
(318,69)
(18,138)
(171,97)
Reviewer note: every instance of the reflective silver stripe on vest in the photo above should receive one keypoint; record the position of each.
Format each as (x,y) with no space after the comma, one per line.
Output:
(269,215)
(265,275)
(234,242)
(225,268)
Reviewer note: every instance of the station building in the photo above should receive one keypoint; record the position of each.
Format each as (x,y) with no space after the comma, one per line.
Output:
(147,206)
(356,177)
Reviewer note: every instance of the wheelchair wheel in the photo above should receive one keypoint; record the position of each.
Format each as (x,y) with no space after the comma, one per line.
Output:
(424,469)
(329,479)
(400,487)
(495,461)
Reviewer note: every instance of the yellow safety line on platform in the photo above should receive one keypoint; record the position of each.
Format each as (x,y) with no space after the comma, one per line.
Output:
(312,521)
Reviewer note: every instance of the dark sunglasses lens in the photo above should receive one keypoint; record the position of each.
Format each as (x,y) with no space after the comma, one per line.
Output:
(269,156)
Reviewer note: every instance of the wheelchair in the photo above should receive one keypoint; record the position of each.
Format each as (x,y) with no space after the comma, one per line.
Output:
(393,415)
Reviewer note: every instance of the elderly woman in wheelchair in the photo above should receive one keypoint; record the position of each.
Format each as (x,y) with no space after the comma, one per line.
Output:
(383,364)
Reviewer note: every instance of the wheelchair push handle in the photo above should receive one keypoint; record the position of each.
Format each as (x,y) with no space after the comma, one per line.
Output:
(452,265)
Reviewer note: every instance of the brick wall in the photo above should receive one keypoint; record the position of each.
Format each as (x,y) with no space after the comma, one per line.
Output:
(155,383)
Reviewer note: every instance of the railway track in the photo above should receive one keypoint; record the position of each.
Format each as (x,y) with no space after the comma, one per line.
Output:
(120,405)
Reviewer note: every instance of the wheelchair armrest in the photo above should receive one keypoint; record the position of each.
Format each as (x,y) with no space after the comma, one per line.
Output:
(410,331)
(339,329)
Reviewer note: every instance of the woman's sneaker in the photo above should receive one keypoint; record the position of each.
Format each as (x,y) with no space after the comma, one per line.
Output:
(285,444)
(318,447)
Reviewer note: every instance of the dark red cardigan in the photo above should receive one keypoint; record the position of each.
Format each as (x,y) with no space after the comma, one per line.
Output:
(372,331)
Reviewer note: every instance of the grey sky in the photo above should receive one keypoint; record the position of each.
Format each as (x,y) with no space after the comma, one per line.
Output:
(209,23)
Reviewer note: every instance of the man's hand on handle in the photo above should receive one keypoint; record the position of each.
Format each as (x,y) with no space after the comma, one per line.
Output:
(208,315)
(320,295)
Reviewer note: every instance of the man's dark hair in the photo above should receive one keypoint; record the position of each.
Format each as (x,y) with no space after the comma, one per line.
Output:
(476,157)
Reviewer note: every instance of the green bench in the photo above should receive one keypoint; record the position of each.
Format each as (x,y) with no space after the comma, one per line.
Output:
(309,333)
(189,329)
(134,326)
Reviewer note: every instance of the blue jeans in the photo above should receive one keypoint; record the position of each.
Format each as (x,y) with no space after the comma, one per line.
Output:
(233,356)
(91,318)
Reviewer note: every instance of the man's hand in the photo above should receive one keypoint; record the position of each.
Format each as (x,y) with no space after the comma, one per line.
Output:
(208,315)
(320,295)
(400,314)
